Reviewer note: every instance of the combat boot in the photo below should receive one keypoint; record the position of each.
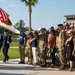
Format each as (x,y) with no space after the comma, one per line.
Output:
(62,67)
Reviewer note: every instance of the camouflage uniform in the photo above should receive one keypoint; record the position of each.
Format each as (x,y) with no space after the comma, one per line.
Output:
(42,46)
(29,51)
(61,47)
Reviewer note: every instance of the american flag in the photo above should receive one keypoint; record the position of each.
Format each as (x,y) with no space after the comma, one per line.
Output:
(3,15)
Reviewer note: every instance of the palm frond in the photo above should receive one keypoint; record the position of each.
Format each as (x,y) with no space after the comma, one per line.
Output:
(26,2)
(30,2)
(33,2)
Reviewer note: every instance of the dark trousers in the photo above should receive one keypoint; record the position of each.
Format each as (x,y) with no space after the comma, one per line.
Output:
(52,55)
(5,52)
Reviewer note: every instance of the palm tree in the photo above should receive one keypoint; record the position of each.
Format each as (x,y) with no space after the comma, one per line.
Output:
(30,3)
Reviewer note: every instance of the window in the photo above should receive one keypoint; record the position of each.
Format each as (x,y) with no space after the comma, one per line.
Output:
(70,23)
(70,18)
(73,23)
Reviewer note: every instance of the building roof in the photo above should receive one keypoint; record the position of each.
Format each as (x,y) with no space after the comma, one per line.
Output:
(71,16)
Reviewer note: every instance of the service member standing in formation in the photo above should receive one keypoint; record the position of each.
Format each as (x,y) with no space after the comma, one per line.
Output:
(30,56)
(61,46)
(42,46)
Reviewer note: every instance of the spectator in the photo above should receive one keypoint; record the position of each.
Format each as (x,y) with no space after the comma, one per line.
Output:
(70,47)
(52,44)
(22,42)
(5,41)
(34,45)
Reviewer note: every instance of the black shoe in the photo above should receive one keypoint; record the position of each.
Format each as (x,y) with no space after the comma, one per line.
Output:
(42,65)
(4,60)
(7,58)
(21,62)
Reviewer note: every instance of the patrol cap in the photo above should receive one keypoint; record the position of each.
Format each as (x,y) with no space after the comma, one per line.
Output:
(60,24)
(52,27)
(43,29)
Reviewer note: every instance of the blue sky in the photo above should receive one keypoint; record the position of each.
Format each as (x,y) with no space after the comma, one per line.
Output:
(46,13)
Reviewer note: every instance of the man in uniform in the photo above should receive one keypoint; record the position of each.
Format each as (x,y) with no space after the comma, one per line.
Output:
(61,46)
(42,46)
(30,57)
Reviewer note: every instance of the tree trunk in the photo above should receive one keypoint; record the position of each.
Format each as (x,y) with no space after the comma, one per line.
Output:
(29,19)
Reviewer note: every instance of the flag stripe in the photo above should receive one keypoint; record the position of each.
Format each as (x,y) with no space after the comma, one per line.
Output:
(3,15)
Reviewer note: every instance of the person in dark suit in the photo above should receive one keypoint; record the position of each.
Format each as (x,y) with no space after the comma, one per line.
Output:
(5,44)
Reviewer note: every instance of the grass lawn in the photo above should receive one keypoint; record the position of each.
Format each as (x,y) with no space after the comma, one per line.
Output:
(13,53)
(14,42)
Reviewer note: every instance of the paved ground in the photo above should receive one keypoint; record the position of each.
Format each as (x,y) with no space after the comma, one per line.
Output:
(13,68)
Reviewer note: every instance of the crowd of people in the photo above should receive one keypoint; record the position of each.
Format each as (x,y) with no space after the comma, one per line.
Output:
(46,42)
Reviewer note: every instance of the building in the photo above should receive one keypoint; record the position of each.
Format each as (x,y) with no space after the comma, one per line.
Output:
(70,19)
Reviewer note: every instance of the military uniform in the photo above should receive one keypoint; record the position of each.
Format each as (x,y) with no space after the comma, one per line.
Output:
(61,47)
(42,42)
(29,51)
